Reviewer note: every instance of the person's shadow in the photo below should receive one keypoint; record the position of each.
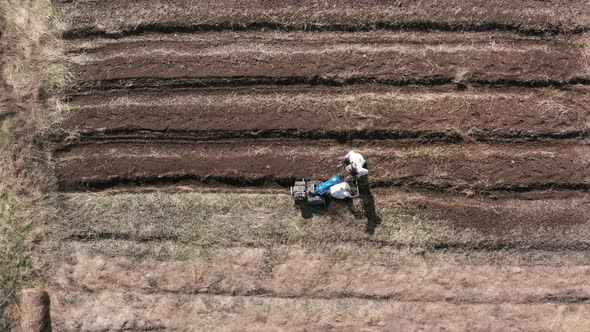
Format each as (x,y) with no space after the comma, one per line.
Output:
(368,204)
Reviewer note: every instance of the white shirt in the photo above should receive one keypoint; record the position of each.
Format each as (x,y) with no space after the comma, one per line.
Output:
(359,160)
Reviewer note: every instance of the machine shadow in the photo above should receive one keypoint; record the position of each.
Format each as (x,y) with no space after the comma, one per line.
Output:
(309,210)
(331,207)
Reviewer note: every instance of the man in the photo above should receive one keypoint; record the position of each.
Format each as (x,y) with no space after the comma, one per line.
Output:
(356,164)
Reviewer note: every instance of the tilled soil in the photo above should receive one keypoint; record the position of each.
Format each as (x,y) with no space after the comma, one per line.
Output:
(139,16)
(258,162)
(473,117)
(332,58)
(357,112)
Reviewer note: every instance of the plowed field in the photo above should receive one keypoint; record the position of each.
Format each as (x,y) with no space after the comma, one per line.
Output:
(187,121)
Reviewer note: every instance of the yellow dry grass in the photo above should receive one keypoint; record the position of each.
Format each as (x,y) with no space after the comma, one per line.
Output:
(31,60)
(32,71)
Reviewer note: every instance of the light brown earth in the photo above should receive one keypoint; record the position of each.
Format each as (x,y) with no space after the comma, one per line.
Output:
(215,258)
(272,314)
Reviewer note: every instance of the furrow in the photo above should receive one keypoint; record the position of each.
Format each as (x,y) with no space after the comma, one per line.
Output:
(343,114)
(268,57)
(260,163)
(115,19)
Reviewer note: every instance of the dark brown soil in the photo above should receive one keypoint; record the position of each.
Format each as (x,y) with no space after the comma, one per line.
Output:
(476,166)
(513,218)
(473,116)
(116,18)
(222,97)
(335,57)
(368,112)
